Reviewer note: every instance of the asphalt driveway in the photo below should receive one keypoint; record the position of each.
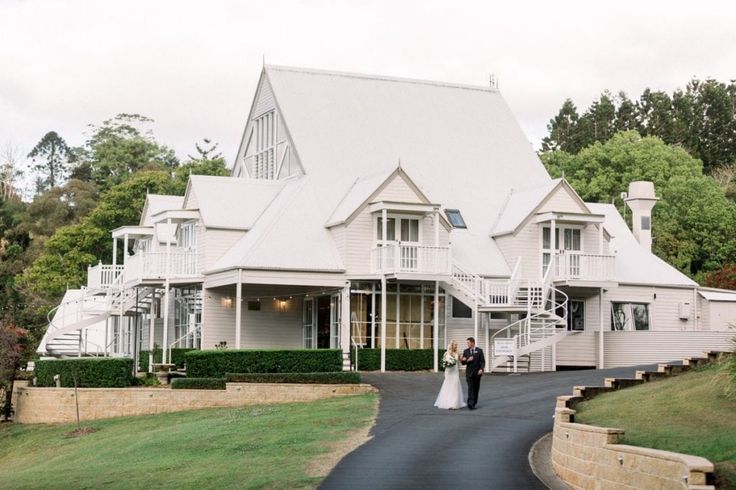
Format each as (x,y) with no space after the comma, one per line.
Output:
(418,446)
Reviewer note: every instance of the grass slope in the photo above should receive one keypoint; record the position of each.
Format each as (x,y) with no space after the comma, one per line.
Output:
(269,446)
(686,414)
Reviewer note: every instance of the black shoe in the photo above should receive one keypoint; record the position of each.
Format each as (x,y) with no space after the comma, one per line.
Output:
(471,407)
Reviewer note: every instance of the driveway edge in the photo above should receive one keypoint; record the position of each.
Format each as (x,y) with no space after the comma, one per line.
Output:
(540,460)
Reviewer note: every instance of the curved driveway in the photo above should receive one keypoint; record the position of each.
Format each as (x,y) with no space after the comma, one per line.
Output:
(415,445)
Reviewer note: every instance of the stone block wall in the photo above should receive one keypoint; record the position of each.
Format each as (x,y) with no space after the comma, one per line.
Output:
(57,405)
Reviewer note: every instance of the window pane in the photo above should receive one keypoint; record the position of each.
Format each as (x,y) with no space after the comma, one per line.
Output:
(455,218)
(641,316)
(391,231)
(545,238)
(409,230)
(619,316)
(646,223)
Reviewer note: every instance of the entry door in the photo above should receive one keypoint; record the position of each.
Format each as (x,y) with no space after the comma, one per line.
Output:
(568,244)
(324,323)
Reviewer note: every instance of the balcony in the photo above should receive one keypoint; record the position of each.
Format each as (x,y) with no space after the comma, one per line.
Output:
(411,259)
(575,266)
(183,264)
(102,276)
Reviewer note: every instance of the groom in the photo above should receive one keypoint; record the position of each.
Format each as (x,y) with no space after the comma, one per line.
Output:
(475,362)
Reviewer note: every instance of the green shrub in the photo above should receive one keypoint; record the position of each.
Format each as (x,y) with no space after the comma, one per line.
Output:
(215,363)
(90,372)
(198,384)
(339,377)
(396,359)
(177,357)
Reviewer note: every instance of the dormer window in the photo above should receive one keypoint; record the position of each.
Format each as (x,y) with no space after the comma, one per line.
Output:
(455,218)
(264,164)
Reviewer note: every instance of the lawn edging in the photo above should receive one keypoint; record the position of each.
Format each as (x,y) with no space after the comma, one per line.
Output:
(587,456)
(36,405)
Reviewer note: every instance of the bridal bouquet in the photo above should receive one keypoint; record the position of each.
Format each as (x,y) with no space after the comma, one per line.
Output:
(448,362)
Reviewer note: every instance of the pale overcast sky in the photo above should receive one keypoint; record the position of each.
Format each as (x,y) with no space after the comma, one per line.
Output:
(193,65)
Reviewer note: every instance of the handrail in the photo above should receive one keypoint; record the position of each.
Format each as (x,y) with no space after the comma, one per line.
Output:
(196,329)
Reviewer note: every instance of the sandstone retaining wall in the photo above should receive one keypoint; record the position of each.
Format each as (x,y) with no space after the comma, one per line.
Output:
(57,405)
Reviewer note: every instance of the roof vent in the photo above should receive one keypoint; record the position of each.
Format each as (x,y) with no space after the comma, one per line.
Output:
(641,199)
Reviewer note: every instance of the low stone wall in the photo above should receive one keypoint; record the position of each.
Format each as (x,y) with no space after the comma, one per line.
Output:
(590,457)
(57,405)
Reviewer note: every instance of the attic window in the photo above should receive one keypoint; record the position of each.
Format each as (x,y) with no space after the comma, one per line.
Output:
(265,136)
(455,218)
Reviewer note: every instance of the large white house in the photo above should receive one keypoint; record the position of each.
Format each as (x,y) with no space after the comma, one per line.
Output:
(374,212)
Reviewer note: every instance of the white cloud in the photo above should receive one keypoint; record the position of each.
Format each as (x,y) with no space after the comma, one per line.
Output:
(193,66)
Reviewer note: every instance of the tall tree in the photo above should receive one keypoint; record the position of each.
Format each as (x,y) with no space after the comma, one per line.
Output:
(10,172)
(118,148)
(626,115)
(50,159)
(563,130)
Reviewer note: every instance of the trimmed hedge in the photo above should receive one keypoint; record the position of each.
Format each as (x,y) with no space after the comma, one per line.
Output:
(90,372)
(215,363)
(198,384)
(177,357)
(339,377)
(396,359)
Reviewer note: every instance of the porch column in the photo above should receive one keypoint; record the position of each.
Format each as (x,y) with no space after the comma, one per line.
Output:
(552,246)
(125,248)
(345,334)
(151,330)
(114,252)
(383,320)
(373,316)
(167,287)
(238,308)
(436,326)
(601,363)
(600,238)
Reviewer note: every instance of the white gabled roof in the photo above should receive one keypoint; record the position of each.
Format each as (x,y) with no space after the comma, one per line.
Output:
(232,203)
(634,265)
(479,253)
(461,143)
(519,205)
(359,192)
(289,235)
(155,203)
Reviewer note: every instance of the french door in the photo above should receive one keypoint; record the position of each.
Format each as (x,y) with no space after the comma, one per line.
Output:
(405,231)
(568,245)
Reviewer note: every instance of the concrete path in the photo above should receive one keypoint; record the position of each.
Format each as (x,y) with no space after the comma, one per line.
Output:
(418,446)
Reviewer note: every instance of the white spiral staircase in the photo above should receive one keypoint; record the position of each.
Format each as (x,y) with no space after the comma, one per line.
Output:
(544,308)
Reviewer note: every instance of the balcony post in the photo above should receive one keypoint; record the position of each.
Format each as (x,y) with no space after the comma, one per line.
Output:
(601,346)
(383,322)
(151,330)
(384,238)
(114,252)
(436,326)
(167,292)
(238,308)
(125,248)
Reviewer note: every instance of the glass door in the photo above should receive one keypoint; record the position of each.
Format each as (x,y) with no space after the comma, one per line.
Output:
(308,323)
(335,316)
(567,248)
(409,258)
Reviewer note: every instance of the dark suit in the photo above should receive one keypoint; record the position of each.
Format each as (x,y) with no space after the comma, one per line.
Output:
(471,373)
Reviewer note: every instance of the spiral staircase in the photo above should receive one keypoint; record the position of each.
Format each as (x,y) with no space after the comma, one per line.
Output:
(542,306)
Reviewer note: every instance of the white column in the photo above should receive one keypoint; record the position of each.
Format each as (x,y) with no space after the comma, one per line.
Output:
(125,248)
(437,227)
(600,238)
(373,316)
(114,252)
(383,321)
(421,318)
(238,308)
(345,319)
(151,330)
(436,326)
(601,347)
(398,313)
(553,248)
(167,292)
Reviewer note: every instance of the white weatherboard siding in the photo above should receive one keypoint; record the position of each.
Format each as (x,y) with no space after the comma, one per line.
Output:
(217,242)
(578,349)
(271,328)
(663,311)
(720,315)
(562,201)
(218,317)
(632,348)
(525,244)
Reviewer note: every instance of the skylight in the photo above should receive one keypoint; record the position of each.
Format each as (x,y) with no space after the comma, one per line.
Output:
(455,218)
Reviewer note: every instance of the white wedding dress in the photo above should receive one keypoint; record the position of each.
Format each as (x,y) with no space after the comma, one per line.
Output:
(451,393)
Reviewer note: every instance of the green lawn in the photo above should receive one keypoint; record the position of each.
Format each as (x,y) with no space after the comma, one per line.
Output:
(270,446)
(686,414)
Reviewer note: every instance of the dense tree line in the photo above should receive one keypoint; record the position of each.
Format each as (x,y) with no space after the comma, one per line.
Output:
(701,119)
(81,193)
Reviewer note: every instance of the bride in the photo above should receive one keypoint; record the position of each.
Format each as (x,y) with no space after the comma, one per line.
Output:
(451,393)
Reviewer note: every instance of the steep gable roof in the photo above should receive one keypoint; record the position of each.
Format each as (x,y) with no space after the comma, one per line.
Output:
(155,203)
(634,265)
(521,204)
(230,203)
(461,142)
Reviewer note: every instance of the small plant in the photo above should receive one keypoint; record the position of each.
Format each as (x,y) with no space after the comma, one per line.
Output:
(149,379)
(221,346)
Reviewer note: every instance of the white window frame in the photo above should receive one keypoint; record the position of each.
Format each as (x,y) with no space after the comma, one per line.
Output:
(397,228)
(188,232)
(264,134)
(560,230)
(629,306)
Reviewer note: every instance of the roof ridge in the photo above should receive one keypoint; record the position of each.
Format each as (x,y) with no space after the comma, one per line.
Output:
(383,78)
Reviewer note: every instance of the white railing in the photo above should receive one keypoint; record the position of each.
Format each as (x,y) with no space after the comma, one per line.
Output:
(584,267)
(411,258)
(152,265)
(502,292)
(102,276)
(190,340)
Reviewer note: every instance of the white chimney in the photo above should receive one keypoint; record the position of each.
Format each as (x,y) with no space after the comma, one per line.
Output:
(641,200)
